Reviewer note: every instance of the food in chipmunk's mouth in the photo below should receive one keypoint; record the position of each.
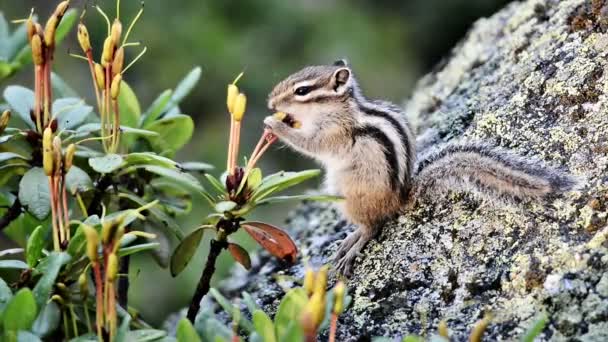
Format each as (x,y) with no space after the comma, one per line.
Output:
(287,119)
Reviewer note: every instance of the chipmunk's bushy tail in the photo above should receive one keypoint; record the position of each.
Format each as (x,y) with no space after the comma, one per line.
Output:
(488,172)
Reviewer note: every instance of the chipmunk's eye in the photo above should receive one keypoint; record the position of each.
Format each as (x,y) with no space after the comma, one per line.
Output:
(301,91)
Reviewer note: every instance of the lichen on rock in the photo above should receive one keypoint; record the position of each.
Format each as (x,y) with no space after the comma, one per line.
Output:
(532,79)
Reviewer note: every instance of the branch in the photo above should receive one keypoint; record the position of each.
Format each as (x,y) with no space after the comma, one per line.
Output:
(13,212)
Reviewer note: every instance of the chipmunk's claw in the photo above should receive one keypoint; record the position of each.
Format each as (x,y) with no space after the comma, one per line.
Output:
(348,251)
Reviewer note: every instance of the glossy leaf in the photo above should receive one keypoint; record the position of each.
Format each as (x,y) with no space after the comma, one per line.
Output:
(20,312)
(5,295)
(26,336)
(48,320)
(15,264)
(60,88)
(158,107)
(281,181)
(289,310)
(130,110)
(186,332)
(49,268)
(78,181)
(123,329)
(232,310)
(21,101)
(273,239)
(186,85)
(158,213)
(138,248)
(264,326)
(217,185)
(145,335)
(106,164)
(166,128)
(149,158)
(125,130)
(71,112)
(35,245)
(186,180)
(4,156)
(240,255)
(196,166)
(318,198)
(250,302)
(254,179)
(185,251)
(34,193)
(225,206)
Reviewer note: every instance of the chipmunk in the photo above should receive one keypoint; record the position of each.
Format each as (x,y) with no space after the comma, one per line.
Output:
(368,151)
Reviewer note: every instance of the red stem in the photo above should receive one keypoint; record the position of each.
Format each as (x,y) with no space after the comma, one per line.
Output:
(333,327)
(99,297)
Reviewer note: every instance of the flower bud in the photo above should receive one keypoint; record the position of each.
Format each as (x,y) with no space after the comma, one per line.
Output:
(83,283)
(108,52)
(112,267)
(115,89)
(240,104)
(49,31)
(233,92)
(56,153)
(100,76)
(280,116)
(339,291)
(443,329)
(309,281)
(37,52)
(83,38)
(119,61)
(31,29)
(47,151)
(321,281)
(116,32)
(4,119)
(108,230)
(316,309)
(57,298)
(92,242)
(61,8)
(69,157)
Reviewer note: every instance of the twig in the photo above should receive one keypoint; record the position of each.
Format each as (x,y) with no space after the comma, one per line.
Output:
(13,212)
(102,184)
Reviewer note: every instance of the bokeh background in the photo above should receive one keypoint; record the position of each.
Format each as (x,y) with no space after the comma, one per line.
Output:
(389,43)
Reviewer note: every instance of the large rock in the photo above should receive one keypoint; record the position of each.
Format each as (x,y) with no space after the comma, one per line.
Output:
(532,79)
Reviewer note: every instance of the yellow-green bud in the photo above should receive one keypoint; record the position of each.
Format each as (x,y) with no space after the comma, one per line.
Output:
(116,32)
(4,119)
(31,29)
(443,329)
(47,151)
(316,308)
(83,283)
(56,153)
(69,157)
(115,89)
(92,242)
(339,291)
(112,267)
(37,52)
(83,38)
(309,281)
(61,8)
(119,61)
(321,281)
(57,298)
(108,230)
(49,31)
(240,104)
(233,92)
(108,52)
(100,76)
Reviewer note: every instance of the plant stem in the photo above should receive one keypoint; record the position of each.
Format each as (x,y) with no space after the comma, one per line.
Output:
(11,214)
(215,249)
(333,327)
(99,298)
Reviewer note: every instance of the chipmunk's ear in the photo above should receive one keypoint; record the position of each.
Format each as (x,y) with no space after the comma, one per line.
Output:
(341,79)
(341,62)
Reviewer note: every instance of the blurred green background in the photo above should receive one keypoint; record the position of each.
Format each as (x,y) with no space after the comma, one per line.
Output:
(389,43)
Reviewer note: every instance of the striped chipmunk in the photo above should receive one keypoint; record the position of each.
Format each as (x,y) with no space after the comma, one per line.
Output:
(368,151)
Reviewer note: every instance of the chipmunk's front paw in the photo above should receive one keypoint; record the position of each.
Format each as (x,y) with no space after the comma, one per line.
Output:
(276,126)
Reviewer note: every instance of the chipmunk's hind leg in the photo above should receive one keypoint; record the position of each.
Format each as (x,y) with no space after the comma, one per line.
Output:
(349,249)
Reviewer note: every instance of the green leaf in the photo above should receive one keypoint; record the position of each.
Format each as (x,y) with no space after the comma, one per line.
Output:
(16,264)
(232,310)
(225,206)
(96,127)
(35,245)
(71,112)
(264,326)
(293,332)
(78,181)
(158,107)
(250,302)
(289,310)
(26,336)
(318,198)
(167,128)
(186,180)
(91,337)
(138,248)
(281,181)
(123,329)
(145,335)
(4,156)
(186,332)
(159,214)
(185,251)
(149,158)
(186,85)
(536,329)
(5,295)
(196,166)
(254,179)
(49,268)
(217,185)
(20,312)
(61,88)
(34,193)
(106,164)
(21,101)
(130,110)
(48,320)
